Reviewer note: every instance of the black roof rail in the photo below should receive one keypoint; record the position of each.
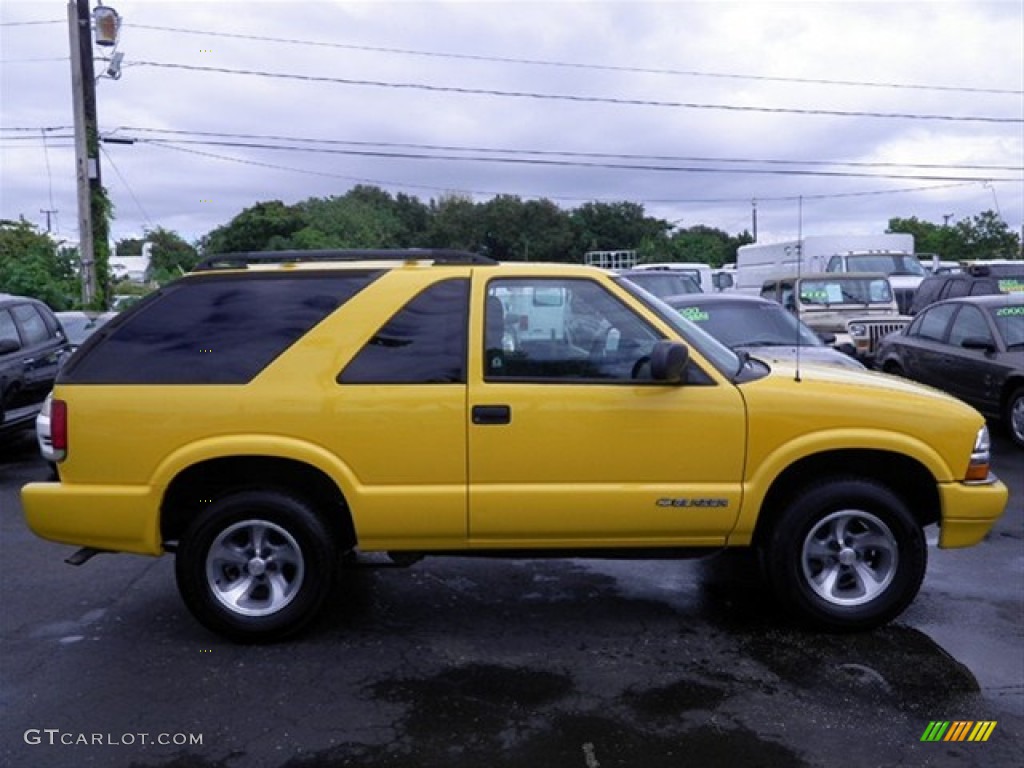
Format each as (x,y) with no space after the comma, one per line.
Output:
(437,255)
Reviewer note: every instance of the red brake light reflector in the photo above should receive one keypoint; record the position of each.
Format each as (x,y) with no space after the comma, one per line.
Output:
(59,425)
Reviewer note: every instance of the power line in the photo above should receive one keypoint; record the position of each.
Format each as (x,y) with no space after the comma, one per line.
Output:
(579,99)
(549,157)
(394,155)
(564,198)
(31,23)
(585,66)
(127,186)
(559,64)
(564,153)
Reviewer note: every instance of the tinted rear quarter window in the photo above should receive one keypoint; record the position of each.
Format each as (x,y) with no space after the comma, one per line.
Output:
(221,329)
(424,343)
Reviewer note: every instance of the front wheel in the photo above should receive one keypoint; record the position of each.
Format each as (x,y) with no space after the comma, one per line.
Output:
(846,554)
(1014,416)
(256,566)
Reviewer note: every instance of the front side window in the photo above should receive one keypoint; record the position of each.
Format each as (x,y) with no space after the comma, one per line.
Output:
(424,343)
(562,330)
(8,330)
(969,324)
(33,327)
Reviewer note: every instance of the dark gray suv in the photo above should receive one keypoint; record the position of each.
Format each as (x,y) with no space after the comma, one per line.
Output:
(32,348)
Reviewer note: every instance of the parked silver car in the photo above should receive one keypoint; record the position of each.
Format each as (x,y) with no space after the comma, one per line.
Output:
(759,327)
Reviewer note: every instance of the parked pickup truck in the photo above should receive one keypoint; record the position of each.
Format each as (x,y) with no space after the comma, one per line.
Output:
(270,416)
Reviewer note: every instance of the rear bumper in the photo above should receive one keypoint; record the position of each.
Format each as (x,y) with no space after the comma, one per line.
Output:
(969,511)
(108,517)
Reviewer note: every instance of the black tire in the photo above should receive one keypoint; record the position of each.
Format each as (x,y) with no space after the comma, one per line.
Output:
(893,368)
(256,566)
(846,554)
(1013,416)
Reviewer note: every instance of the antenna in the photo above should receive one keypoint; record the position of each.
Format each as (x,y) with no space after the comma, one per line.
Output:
(799,263)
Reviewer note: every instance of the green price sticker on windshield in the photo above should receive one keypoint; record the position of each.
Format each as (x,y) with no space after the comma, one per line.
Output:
(1010,311)
(694,314)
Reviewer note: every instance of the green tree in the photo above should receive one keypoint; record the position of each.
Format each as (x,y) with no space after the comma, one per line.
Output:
(129,246)
(31,264)
(454,223)
(984,236)
(929,237)
(363,218)
(261,227)
(613,227)
(987,236)
(170,255)
(547,233)
(502,221)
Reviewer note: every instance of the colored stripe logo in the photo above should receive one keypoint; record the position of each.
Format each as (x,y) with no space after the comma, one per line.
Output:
(958,730)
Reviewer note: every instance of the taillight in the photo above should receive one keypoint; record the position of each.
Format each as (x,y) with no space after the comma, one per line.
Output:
(59,428)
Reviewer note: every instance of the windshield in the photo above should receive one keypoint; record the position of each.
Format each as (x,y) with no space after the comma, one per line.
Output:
(720,356)
(1010,322)
(889,263)
(666,283)
(846,290)
(748,323)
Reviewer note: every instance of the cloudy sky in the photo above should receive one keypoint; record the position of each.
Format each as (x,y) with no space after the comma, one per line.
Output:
(827,117)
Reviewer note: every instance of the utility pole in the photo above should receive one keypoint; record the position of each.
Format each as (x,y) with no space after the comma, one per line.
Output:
(83,94)
(93,225)
(48,212)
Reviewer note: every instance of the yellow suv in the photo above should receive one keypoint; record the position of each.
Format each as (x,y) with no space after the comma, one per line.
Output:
(270,414)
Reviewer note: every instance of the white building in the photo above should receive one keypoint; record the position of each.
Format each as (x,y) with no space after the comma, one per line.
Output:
(132,268)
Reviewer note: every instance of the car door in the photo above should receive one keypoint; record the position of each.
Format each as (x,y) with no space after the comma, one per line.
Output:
(570,441)
(925,351)
(972,373)
(399,419)
(40,355)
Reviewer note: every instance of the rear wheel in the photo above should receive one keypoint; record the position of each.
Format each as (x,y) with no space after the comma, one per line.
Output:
(846,554)
(256,566)
(894,368)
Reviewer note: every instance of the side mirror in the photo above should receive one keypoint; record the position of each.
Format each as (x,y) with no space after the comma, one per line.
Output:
(827,338)
(978,342)
(8,345)
(668,360)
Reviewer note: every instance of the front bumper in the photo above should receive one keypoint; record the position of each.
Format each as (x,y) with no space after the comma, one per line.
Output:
(969,510)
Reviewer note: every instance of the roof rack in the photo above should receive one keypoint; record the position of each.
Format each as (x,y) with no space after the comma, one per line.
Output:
(436,255)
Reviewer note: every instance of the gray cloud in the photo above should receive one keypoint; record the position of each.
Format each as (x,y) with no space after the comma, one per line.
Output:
(653,52)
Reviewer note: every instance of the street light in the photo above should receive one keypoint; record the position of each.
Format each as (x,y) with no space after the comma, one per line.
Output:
(108,24)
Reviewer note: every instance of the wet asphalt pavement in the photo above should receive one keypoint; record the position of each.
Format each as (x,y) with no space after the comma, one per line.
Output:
(460,663)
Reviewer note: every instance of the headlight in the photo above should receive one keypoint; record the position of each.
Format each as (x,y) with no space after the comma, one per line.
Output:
(981,455)
(857,329)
